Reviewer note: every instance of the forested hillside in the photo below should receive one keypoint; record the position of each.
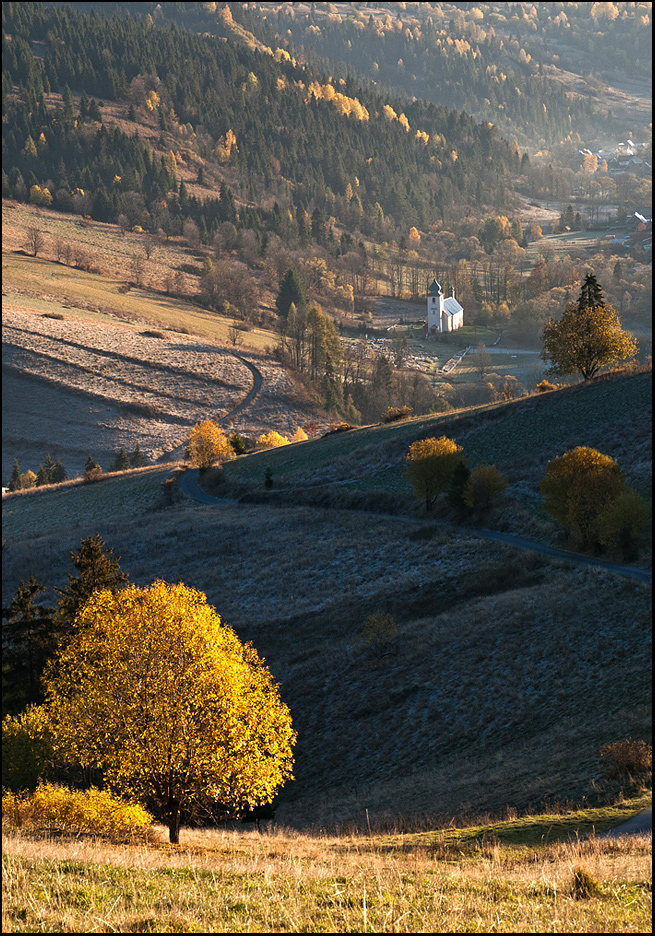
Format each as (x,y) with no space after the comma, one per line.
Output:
(508,63)
(342,148)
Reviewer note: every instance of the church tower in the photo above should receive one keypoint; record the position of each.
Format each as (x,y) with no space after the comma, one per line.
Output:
(435,307)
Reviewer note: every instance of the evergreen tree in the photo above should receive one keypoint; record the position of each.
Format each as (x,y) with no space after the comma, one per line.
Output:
(27,643)
(121,462)
(98,570)
(137,458)
(292,291)
(15,482)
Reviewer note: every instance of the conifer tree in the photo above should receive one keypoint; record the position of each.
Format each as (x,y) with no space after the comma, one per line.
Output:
(97,569)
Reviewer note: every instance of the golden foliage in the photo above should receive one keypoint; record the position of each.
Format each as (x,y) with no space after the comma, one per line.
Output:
(430,465)
(584,340)
(207,445)
(155,691)
(92,810)
(272,440)
(485,483)
(577,486)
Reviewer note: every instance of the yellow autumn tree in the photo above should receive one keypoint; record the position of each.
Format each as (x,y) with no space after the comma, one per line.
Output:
(155,691)
(272,440)
(587,337)
(430,466)
(578,487)
(207,445)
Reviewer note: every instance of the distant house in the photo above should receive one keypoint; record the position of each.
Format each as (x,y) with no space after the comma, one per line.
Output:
(444,315)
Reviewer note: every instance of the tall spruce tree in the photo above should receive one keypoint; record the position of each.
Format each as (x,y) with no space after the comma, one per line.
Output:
(28,641)
(97,569)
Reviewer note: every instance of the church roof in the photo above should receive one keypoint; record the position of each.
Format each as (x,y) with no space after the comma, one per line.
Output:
(434,289)
(452,306)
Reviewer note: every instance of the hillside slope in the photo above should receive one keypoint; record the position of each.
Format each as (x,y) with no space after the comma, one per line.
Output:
(509,671)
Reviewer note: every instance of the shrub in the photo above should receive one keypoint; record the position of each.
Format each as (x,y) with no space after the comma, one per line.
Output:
(393,413)
(57,807)
(380,633)
(272,440)
(299,435)
(545,386)
(339,427)
(92,475)
(483,486)
(27,750)
(578,486)
(621,521)
(584,885)
(628,756)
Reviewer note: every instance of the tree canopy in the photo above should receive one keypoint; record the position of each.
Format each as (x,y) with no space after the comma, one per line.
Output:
(207,445)
(587,337)
(578,485)
(430,466)
(155,691)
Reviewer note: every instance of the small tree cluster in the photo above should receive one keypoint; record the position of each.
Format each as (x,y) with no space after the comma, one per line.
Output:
(272,440)
(394,413)
(628,756)
(587,492)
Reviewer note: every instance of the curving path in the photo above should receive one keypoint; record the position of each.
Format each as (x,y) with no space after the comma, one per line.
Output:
(641,824)
(251,396)
(508,539)
(188,483)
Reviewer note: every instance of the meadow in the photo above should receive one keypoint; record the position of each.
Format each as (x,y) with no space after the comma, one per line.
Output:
(487,878)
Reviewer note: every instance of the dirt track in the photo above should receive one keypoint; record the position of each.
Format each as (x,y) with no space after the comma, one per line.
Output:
(73,388)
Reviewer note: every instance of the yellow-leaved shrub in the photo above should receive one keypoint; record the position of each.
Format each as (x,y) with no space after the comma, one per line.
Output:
(272,440)
(93,810)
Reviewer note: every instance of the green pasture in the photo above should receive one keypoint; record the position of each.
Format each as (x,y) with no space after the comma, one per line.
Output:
(503,432)
(532,830)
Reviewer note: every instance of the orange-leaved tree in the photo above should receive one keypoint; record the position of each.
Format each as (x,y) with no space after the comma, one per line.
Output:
(157,693)
(207,445)
(430,466)
(587,337)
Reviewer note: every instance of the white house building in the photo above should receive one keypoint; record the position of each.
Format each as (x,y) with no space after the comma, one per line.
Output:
(444,315)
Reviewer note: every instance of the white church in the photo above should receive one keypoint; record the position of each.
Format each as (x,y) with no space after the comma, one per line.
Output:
(444,315)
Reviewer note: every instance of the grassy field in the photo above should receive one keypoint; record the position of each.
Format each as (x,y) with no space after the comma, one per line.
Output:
(66,506)
(488,878)
(96,297)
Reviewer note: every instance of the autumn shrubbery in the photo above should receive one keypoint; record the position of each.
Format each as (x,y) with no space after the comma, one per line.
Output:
(60,809)
(394,413)
(628,757)
(586,491)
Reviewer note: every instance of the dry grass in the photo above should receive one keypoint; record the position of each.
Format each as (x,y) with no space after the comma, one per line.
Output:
(228,881)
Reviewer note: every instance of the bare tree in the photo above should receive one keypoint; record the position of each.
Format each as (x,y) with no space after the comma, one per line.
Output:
(234,335)
(137,268)
(150,245)
(35,241)
(481,361)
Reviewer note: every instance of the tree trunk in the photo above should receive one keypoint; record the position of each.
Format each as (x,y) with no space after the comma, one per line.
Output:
(173,818)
